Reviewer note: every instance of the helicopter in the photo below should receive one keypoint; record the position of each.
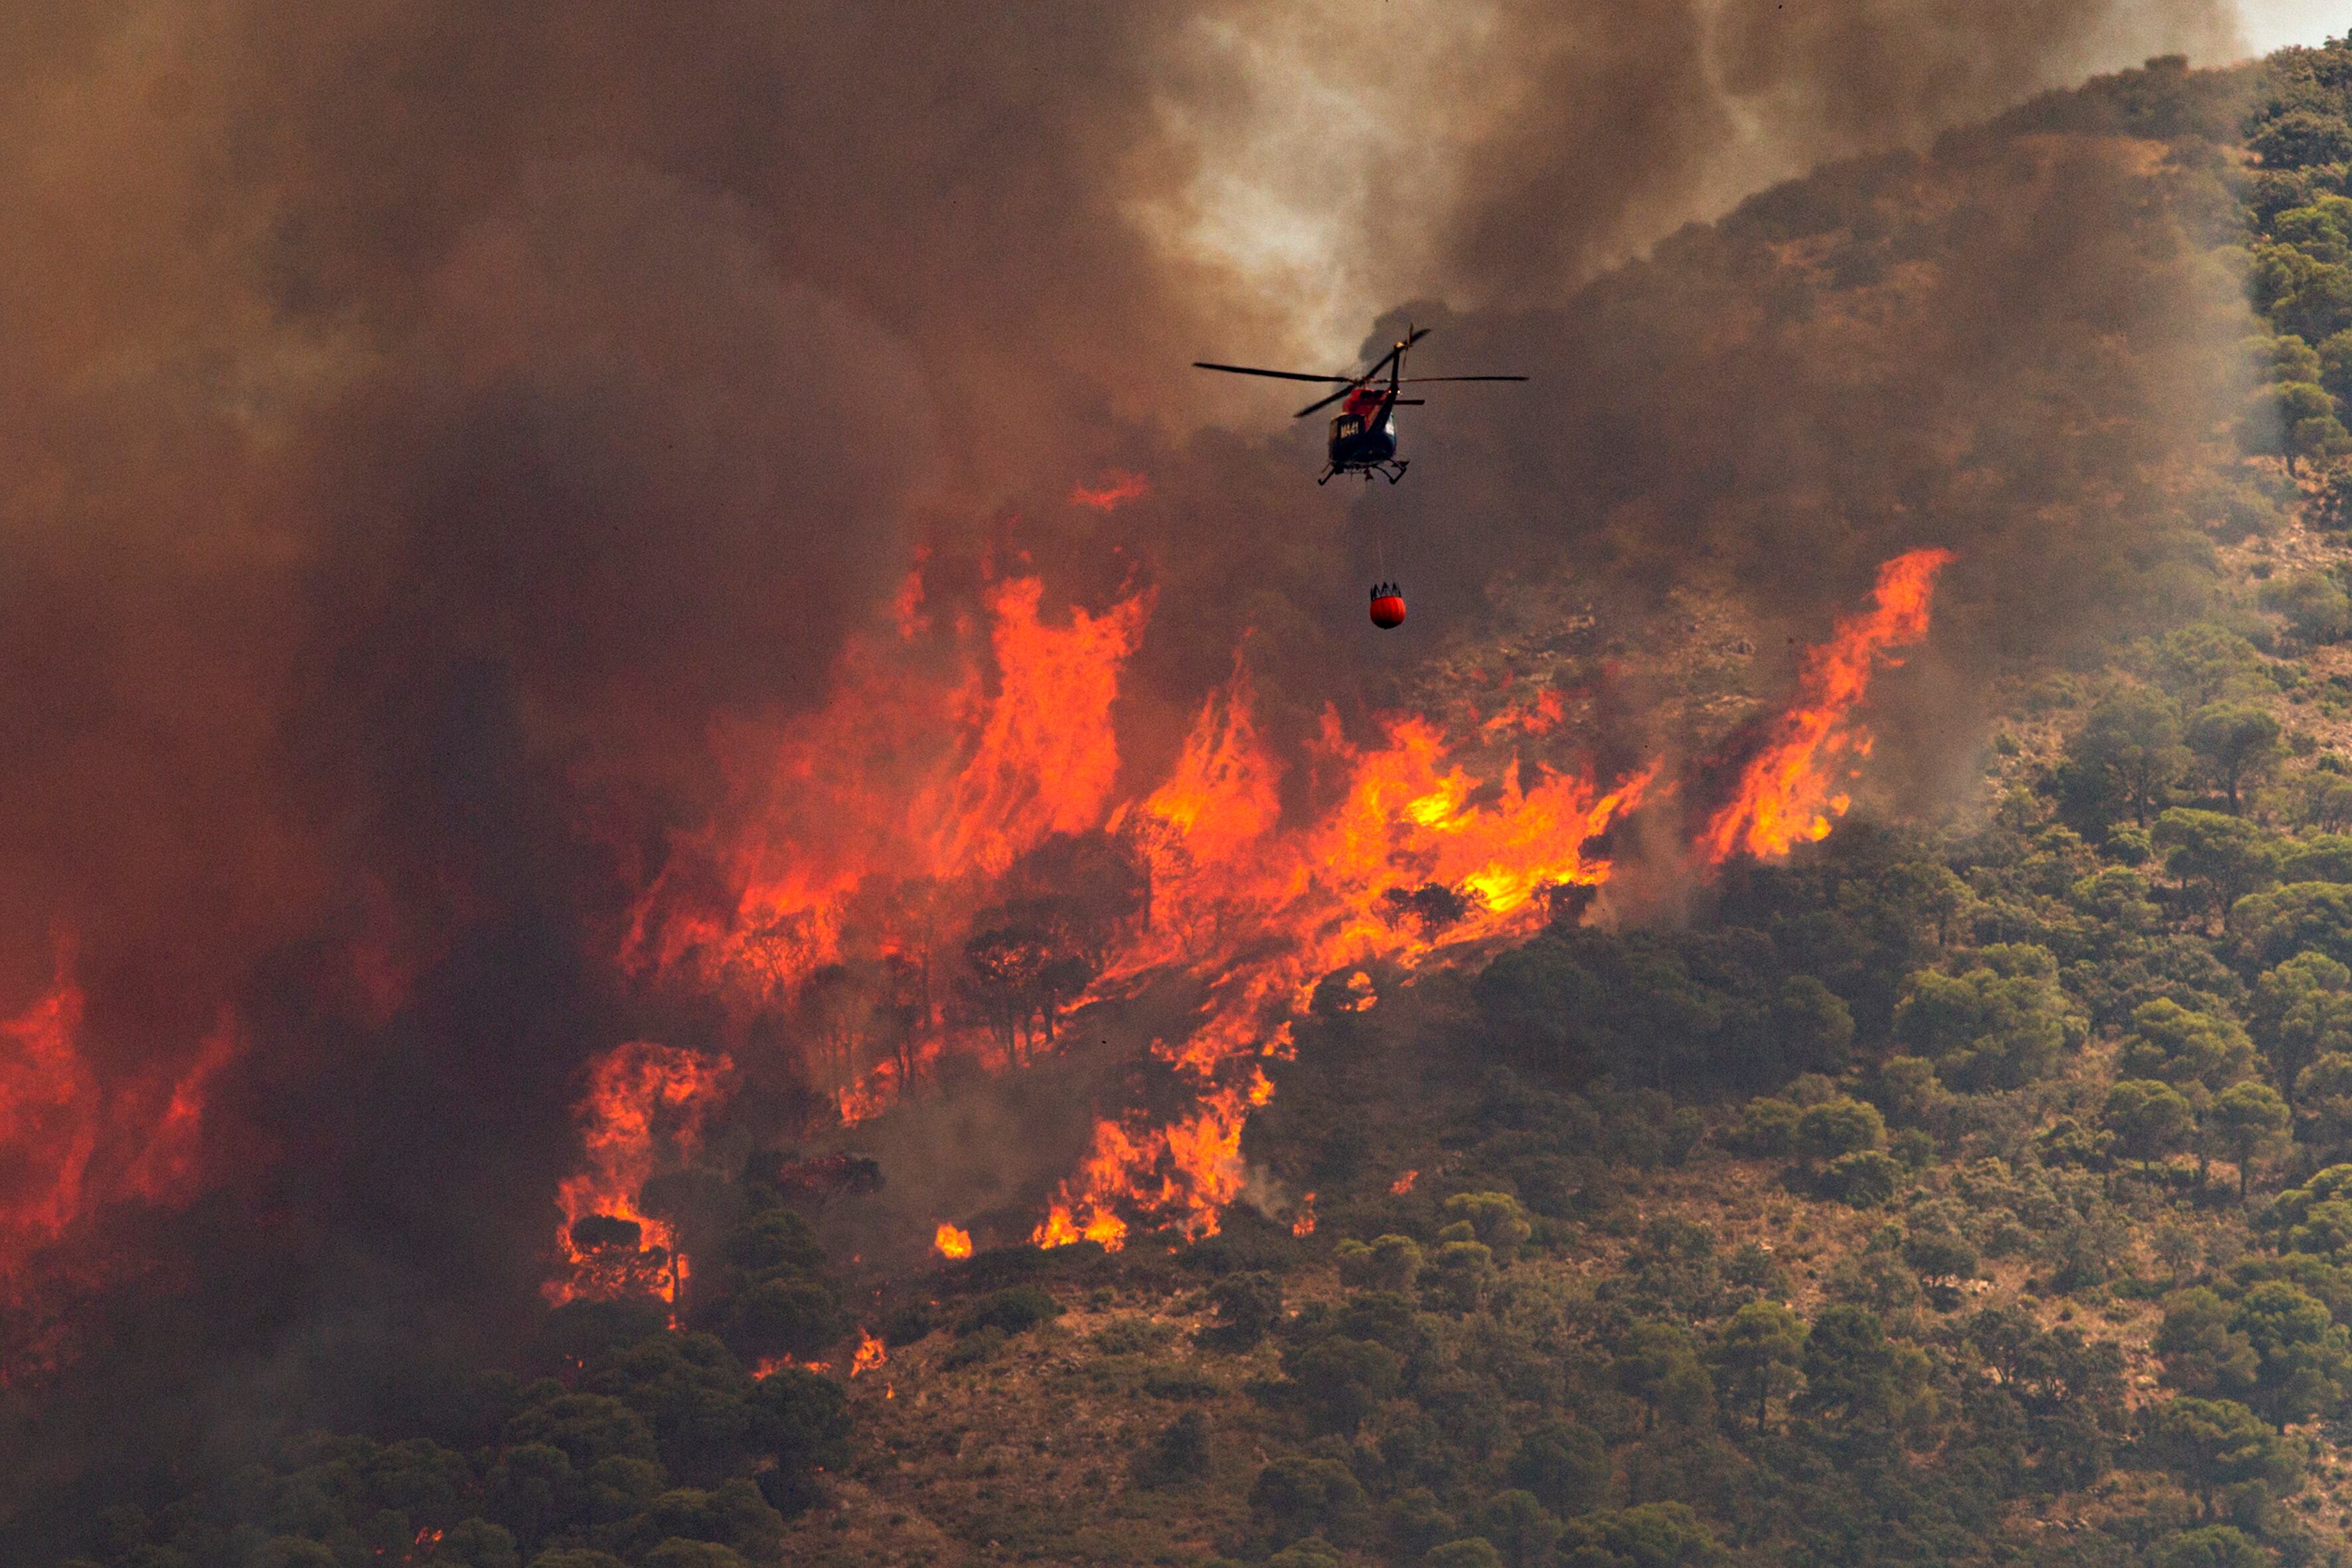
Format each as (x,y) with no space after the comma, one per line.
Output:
(1363,432)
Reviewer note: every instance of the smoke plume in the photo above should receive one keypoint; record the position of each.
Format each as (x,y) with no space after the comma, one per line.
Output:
(428,429)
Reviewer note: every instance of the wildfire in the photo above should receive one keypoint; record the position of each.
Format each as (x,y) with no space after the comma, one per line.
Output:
(72,1141)
(1403,1183)
(645,1102)
(1304,1223)
(1118,487)
(1790,791)
(770,1365)
(886,807)
(871,893)
(870,1354)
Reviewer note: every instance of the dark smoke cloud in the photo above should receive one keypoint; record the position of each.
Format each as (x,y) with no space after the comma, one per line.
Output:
(422,420)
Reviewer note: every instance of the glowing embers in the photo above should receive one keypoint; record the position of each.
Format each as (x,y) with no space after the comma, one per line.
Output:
(645,1108)
(1791,792)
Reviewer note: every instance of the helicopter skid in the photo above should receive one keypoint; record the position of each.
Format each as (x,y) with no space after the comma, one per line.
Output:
(1390,471)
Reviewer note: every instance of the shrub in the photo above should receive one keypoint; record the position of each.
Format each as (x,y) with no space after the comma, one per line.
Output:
(1839,1127)
(1013,1310)
(1389,1263)
(1865,1179)
(1767,1126)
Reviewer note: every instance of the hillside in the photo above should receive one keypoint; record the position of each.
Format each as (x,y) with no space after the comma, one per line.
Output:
(1970,1186)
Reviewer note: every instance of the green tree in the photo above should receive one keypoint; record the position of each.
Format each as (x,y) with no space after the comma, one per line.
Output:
(2212,1546)
(586,1426)
(1944,1260)
(1337,1382)
(1650,1536)
(1521,1532)
(2124,761)
(793,1315)
(1566,1466)
(1759,1352)
(477,1543)
(1854,1377)
(2221,858)
(803,1419)
(2301,1008)
(2323,858)
(1296,1497)
(2236,744)
(2303,1359)
(2301,137)
(2323,1100)
(1498,1219)
(2316,609)
(1249,1306)
(2245,1120)
(2334,370)
(2296,419)
(1470,1552)
(1658,1365)
(1180,1453)
(2203,1356)
(1840,1126)
(2316,1218)
(2211,1444)
(2002,1023)
(2181,1046)
(2283,359)
(1388,1263)
(2204,663)
(2150,1119)
(1864,1179)
(1768,1126)
(2301,917)
(2118,896)
(1461,1274)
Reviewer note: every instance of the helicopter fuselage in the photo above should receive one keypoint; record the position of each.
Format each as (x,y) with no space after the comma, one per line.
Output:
(1354,446)
(1363,438)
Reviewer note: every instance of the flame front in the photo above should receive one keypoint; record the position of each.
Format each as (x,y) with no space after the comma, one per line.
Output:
(1791,792)
(875,889)
(870,1354)
(1411,857)
(73,1142)
(646,1103)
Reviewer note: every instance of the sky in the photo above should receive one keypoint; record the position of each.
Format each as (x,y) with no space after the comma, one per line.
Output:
(2273,24)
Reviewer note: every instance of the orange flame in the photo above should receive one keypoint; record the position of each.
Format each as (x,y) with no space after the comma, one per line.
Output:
(889,808)
(1403,1183)
(1303,1223)
(71,1140)
(1119,488)
(952,1243)
(1788,793)
(870,1354)
(645,1102)
(770,1365)
(875,832)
